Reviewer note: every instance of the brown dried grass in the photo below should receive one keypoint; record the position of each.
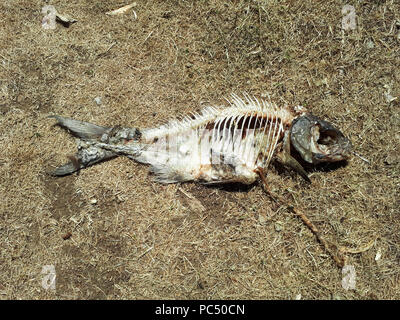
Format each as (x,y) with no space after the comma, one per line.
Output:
(142,240)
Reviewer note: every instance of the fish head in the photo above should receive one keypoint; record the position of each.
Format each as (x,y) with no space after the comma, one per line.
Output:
(318,140)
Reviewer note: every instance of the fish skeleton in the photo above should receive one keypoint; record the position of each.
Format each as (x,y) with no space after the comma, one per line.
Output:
(231,144)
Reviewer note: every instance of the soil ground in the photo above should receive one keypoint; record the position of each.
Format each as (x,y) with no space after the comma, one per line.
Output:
(112,233)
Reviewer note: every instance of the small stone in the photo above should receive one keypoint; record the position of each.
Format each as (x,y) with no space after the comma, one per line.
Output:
(389,97)
(391,159)
(278,226)
(262,218)
(378,255)
(370,44)
(97,100)
(93,201)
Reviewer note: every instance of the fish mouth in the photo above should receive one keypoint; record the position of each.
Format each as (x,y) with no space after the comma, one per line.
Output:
(318,140)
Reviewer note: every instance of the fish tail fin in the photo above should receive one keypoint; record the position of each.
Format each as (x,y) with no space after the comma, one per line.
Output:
(88,154)
(80,129)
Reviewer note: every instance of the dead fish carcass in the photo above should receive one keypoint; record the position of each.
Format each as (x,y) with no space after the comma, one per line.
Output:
(218,145)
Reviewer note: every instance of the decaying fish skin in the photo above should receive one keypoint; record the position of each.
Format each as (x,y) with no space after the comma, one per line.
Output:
(217,145)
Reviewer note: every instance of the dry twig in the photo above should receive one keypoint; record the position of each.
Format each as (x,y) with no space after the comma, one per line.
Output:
(337,256)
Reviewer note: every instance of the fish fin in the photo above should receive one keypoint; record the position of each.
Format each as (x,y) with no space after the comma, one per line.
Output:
(84,158)
(291,162)
(83,130)
(65,170)
(166,174)
(87,154)
(294,164)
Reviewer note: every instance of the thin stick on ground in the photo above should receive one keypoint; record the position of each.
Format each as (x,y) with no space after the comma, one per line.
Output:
(339,260)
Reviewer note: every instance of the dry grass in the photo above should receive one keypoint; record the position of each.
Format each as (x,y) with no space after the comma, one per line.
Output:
(143,240)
